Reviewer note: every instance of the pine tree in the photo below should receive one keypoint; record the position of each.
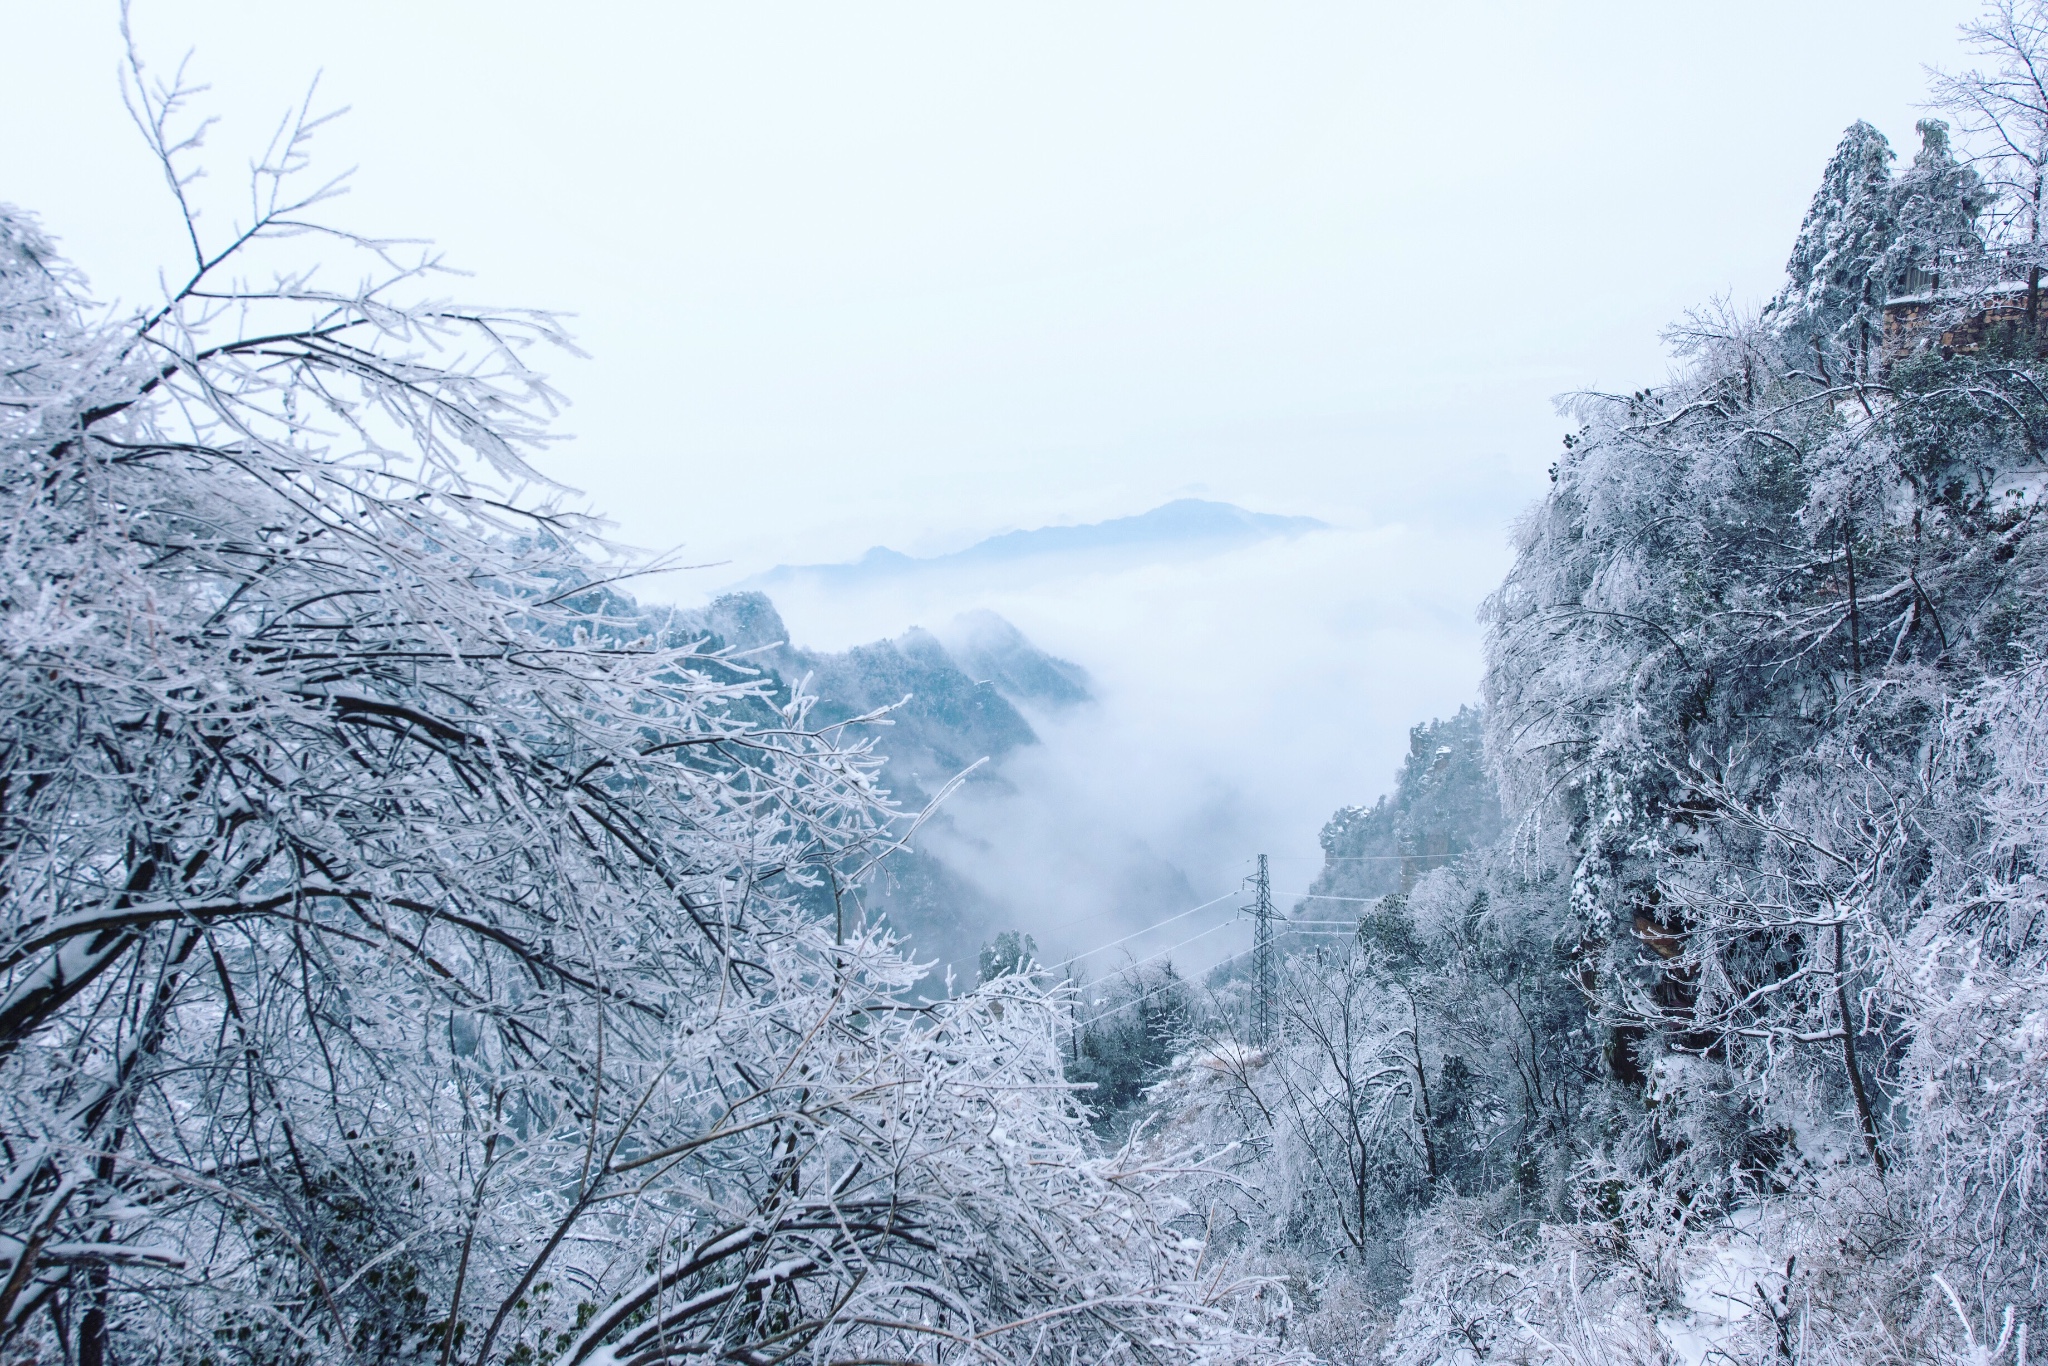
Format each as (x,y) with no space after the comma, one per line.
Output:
(1935,205)
(1833,298)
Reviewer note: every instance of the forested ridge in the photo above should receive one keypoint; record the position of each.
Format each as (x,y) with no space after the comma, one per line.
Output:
(416,949)
(1695,1009)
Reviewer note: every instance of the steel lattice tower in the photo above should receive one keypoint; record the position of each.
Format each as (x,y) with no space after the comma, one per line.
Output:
(1265,986)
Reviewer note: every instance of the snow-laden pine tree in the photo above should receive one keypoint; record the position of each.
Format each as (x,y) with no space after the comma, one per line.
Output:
(1834,293)
(1936,203)
(399,960)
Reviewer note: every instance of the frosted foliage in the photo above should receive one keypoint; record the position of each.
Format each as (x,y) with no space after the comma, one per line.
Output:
(1732,1047)
(1936,201)
(1977,1072)
(398,960)
(1869,238)
(1802,813)
(2000,103)
(1833,289)
(1765,693)
(1433,1063)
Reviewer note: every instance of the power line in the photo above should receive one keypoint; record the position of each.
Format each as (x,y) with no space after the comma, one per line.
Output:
(1260,881)
(1359,858)
(1102,1015)
(1163,986)
(1265,986)
(1284,927)
(1089,915)
(1139,934)
(1175,948)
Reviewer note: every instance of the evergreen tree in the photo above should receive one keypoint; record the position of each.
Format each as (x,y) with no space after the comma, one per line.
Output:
(1833,300)
(1935,205)
(1009,954)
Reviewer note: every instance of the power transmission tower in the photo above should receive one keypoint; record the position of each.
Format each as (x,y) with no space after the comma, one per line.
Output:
(1264,969)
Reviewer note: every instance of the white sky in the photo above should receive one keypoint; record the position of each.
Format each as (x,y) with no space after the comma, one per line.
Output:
(874,273)
(910,274)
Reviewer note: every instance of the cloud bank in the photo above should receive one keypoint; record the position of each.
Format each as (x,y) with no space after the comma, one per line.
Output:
(1242,695)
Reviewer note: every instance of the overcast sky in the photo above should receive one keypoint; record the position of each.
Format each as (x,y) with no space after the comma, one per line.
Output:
(910,274)
(869,273)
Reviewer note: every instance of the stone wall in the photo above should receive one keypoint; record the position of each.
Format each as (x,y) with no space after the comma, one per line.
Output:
(1909,324)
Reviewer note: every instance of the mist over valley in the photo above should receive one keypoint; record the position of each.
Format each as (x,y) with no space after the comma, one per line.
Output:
(1101,685)
(1240,677)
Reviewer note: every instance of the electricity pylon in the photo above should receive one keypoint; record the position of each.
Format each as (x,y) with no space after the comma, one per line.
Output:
(1265,971)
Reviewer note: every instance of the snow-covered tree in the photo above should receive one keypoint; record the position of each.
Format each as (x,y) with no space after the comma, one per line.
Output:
(1834,293)
(2004,110)
(1936,203)
(402,960)
(1726,685)
(1741,1013)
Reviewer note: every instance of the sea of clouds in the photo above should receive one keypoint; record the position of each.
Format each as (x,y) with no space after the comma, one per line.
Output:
(1242,695)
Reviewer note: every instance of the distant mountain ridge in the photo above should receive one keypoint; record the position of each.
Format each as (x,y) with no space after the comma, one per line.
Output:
(964,683)
(1187,524)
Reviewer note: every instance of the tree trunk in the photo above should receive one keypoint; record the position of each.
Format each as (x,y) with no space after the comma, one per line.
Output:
(1422,1088)
(92,1324)
(1855,625)
(1849,1060)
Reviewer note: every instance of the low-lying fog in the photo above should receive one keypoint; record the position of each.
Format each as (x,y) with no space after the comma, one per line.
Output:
(1242,694)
